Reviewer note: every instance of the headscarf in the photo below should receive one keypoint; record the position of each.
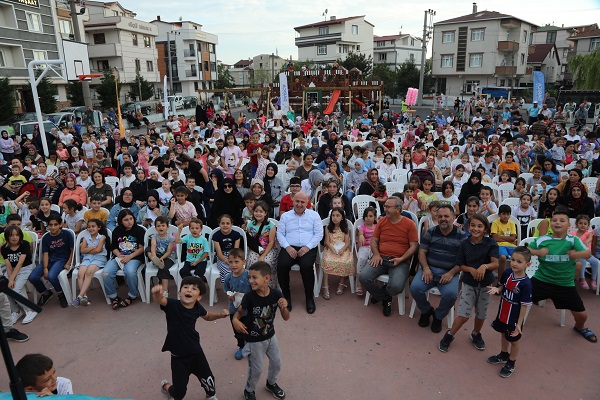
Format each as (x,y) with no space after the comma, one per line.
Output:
(71,176)
(154,194)
(368,178)
(275,169)
(577,204)
(362,164)
(567,188)
(123,203)
(314,177)
(260,182)
(469,188)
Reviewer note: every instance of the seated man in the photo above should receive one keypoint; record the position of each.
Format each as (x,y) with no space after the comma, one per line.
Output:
(393,244)
(437,253)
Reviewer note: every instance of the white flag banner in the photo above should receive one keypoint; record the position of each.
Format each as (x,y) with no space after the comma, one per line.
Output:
(283,93)
(165,100)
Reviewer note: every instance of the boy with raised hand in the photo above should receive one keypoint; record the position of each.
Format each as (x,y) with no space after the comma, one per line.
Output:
(261,305)
(183,341)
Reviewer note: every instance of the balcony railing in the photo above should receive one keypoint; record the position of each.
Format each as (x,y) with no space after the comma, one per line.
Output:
(189,53)
(508,46)
(189,73)
(506,70)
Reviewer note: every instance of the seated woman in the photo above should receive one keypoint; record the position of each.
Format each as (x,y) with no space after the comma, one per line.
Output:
(141,186)
(72,191)
(101,189)
(151,210)
(124,201)
(577,201)
(53,188)
(324,204)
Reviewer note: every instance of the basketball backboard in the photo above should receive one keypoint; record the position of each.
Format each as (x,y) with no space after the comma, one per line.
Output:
(76,59)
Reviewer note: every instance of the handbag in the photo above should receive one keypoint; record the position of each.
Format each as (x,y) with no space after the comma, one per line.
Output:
(253,243)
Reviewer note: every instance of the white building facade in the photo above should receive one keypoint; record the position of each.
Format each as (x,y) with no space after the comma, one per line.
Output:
(396,49)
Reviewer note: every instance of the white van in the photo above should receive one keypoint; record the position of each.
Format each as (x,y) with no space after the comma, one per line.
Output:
(177,100)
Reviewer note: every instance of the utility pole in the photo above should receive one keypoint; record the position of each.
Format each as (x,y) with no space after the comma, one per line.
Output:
(427,28)
(85,85)
(272,67)
(169,61)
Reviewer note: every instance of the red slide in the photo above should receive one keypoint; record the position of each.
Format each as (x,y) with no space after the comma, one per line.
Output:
(334,98)
(357,101)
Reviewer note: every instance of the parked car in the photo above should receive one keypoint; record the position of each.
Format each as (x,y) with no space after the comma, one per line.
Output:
(190,102)
(93,117)
(61,119)
(26,128)
(144,106)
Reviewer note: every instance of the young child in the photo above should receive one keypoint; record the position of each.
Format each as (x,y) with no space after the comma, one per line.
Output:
(558,254)
(57,254)
(16,254)
(128,177)
(380,192)
(182,211)
(425,197)
(477,258)
(164,192)
(89,149)
(504,232)
(519,189)
(524,213)
(459,177)
(586,235)
(84,179)
(38,375)
(197,249)
(42,217)
(96,211)
(337,259)
(431,219)
(515,288)
(487,206)
(365,233)
(183,341)
(264,231)
(236,285)
(410,203)
(161,252)
(225,239)
(73,216)
(261,305)
(94,248)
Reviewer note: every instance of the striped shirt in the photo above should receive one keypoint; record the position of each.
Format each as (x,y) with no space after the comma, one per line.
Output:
(443,247)
(516,293)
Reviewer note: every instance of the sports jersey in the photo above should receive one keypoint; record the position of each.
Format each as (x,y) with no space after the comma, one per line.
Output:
(516,293)
(557,268)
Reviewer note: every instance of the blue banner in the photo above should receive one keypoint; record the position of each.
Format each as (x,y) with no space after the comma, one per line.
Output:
(539,87)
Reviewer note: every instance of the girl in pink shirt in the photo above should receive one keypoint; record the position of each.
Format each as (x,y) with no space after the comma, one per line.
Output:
(586,235)
(181,209)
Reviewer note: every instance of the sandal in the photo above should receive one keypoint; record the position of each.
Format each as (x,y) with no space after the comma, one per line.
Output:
(587,334)
(340,289)
(116,303)
(326,295)
(126,302)
(359,291)
(584,284)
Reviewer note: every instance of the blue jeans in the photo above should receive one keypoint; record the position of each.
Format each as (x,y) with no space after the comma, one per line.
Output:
(449,292)
(110,272)
(350,195)
(397,282)
(253,171)
(594,264)
(54,270)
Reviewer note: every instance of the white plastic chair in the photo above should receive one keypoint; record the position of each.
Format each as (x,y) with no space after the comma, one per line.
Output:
(435,291)
(362,201)
(400,175)
(512,202)
(532,226)
(493,217)
(526,176)
(385,278)
(214,270)
(504,191)
(62,276)
(77,263)
(151,269)
(530,271)
(393,187)
(352,232)
(206,232)
(590,183)
(112,181)
(35,242)
(55,207)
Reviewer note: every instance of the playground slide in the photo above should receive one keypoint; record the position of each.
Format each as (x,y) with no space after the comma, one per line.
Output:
(334,98)
(357,101)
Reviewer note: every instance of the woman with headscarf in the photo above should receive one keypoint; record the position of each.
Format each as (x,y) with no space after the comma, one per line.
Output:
(273,185)
(324,151)
(564,187)
(471,188)
(355,178)
(141,186)
(257,187)
(151,210)
(53,188)
(577,201)
(227,201)
(310,185)
(124,201)
(331,190)
(72,191)
(210,190)
(284,154)
(369,185)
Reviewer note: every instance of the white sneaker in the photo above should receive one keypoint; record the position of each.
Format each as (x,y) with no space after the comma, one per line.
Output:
(29,316)
(15,316)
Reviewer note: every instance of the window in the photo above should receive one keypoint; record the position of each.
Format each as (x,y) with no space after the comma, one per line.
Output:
(115,13)
(40,55)
(476,60)
(382,56)
(524,37)
(99,38)
(411,57)
(594,44)
(522,58)
(448,37)
(134,39)
(324,30)
(149,66)
(206,66)
(213,67)
(471,86)
(321,50)
(211,48)
(551,37)
(2,60)
(502,82)
(343,49)
(34,22)
(138,68)
(103,65)
(381,43)
(565,53)
(477,35)
(358,47)
(412,42)
(64,26)
(147,42)
(447,60)
(355,29)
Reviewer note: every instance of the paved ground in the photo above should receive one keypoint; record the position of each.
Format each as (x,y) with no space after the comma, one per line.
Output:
(344,351)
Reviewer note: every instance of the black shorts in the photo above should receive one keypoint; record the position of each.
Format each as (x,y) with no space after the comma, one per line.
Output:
(563,297)
(505,329)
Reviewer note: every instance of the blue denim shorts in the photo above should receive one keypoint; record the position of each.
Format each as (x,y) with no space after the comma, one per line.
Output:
(93,259)
(506,251)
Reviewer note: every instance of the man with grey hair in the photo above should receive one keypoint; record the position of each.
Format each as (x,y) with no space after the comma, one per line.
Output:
(393,244)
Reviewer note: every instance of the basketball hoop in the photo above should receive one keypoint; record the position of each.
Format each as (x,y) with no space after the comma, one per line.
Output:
(89,77)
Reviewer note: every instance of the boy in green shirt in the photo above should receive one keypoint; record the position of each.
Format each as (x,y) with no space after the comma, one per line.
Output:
(555,276)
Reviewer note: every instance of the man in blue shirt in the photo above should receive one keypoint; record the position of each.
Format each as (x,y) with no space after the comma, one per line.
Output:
(533,112)
(440,120)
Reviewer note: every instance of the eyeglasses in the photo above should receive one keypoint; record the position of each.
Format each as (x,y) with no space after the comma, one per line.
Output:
(385,206)
(227,186)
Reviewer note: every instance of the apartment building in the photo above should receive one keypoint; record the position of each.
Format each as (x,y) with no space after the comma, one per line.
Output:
(117,39)
(481,49)
(242,73)
(394,50)
(327,41)
(545,58)
(586,39)
(193,56)
(266,67)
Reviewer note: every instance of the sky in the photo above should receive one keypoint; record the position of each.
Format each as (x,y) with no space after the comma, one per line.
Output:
(247,28)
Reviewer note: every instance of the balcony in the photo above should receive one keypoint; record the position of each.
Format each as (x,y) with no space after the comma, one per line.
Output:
(189,53)
(190,73)
(508,46)
(510,23)
(506,70)
(103,50)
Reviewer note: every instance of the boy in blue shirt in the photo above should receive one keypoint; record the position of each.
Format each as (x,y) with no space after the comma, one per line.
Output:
(197,249)
(236,285)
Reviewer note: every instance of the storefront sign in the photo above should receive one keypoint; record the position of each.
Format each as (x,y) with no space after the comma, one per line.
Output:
(33,3)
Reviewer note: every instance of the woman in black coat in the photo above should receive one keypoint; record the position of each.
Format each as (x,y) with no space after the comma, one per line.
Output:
(471,188)
(227,201)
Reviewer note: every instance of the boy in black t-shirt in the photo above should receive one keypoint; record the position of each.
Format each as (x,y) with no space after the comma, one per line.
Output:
(183,341)
(261,306)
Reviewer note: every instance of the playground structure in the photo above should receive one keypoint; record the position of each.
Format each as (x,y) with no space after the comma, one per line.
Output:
(317,91)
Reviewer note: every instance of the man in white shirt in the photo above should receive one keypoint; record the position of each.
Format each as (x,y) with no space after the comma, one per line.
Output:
(299,232)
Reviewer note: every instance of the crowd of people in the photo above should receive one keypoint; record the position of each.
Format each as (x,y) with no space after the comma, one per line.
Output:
(289,182)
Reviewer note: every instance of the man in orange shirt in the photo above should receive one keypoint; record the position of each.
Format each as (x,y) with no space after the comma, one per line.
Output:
(509,165)
(393,244)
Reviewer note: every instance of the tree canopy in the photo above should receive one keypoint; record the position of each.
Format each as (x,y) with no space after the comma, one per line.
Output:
(7,99)
(107,93)
(147,89)
(75,93)
(47,92)
(224,78)
(358,60)
(586,70)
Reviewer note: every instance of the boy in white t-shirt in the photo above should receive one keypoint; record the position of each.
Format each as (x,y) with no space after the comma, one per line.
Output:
(38,375)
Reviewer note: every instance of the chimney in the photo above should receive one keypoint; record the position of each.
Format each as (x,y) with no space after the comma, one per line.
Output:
(474,8)
(158,17)
(332,18)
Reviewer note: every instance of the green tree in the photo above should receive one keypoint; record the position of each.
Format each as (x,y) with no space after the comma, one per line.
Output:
(358,60)
(7,100)
(586,70)
(407,76)
(224,78)
(75,93)
(384,73)
(139,83)
(259,77)
(46,93)
(309,64)
(106,90)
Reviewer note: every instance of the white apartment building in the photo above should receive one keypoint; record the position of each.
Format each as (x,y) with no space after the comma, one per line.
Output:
(266,67)
(586,40)
(326,41)
(242,73)
(394,50)
(116,39)
(482,49)
(193,56)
